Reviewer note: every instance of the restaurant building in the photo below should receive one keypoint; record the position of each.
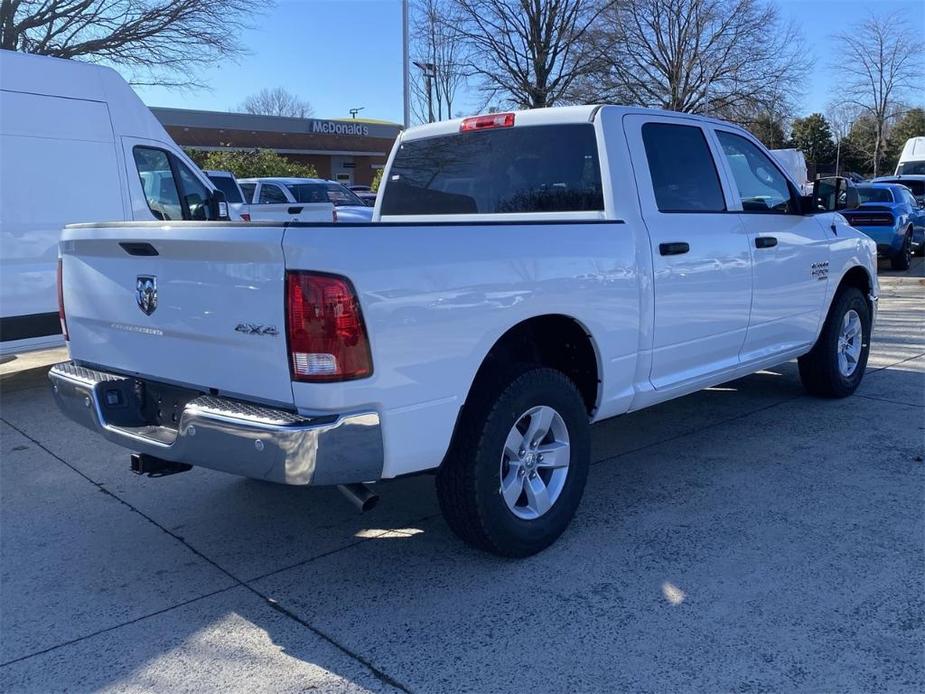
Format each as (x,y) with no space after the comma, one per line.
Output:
(348,150)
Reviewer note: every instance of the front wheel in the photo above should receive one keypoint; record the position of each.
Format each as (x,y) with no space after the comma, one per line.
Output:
(517,469)
(903,259)
(835,366)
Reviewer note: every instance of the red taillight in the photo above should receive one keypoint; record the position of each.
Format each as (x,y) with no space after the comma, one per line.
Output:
(494,120)
(870,219)
(61,315)
(327,337)
(245,216)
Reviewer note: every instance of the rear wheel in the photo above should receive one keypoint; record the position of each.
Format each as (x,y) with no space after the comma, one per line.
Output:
(519,462)
(835,366)
(902,260)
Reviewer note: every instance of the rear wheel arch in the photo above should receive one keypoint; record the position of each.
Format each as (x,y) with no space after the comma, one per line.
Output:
(553,340)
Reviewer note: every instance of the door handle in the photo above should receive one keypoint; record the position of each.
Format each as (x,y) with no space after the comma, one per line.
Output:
(674,248)
(141,248)
(765,241)
(295,210)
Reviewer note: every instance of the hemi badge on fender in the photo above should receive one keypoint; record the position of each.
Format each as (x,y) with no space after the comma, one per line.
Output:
(819,271)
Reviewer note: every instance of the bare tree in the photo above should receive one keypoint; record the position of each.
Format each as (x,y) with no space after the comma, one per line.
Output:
(527,52)
(276,102)
(732,58)
(159,41)
(438,56)
(879,64)
(841,116)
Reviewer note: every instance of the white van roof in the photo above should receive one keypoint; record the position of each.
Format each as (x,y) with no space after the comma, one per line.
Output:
(39,74)
(913,150)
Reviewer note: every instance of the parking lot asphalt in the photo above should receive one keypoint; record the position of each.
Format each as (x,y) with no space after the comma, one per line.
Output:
(745,538)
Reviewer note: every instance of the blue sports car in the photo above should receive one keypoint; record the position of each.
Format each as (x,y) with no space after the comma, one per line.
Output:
(890,216)
(916,184)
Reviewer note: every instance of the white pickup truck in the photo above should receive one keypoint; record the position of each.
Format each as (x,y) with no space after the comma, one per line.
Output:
(526,274)
(287,200)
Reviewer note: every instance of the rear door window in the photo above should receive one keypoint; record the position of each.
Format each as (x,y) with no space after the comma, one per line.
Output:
(158,183)
(683,172)
(271,194)
(248,190)
(548,168)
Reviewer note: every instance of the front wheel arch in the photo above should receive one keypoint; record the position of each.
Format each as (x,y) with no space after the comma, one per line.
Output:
(859,278)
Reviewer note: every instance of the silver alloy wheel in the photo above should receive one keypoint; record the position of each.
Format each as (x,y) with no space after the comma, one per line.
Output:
(849,343)
(534,462)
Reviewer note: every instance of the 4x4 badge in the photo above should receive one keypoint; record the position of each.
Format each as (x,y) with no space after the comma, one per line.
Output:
(146,293)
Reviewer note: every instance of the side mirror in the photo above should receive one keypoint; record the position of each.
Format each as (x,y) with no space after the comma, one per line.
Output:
(851,197)
(830,194)
(218,206)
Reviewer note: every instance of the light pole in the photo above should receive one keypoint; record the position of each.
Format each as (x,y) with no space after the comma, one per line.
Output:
(406,84)
(430,73)
(355,111)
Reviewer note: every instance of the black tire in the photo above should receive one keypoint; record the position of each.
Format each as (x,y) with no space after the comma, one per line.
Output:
(819,370)
(902,260)
(468,482)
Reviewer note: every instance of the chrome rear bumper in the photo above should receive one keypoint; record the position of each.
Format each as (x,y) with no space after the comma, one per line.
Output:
(229,435)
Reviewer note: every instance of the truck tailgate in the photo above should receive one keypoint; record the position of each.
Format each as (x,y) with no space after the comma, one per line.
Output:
(216,322)
(292,212)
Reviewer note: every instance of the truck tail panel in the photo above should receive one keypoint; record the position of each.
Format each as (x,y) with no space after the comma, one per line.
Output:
(200,305)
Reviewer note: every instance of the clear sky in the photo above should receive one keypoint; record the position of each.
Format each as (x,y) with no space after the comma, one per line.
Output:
(341,54)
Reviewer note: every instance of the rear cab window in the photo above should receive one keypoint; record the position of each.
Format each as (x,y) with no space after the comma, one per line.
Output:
(515,170)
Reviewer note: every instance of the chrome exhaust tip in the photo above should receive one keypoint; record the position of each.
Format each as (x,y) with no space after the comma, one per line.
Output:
(361,496)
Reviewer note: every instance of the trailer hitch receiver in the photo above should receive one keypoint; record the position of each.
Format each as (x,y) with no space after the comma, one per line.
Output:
(144,464)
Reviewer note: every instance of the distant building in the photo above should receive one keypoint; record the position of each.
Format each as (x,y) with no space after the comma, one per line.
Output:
(347,150)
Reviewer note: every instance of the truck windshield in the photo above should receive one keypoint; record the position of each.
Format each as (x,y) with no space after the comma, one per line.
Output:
(227,185)
(341,196)
(543,168)
(872,194)
(911,167)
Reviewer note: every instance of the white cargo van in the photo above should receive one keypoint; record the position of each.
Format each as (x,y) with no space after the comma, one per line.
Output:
(912,158)
(76,145)
(794,163)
